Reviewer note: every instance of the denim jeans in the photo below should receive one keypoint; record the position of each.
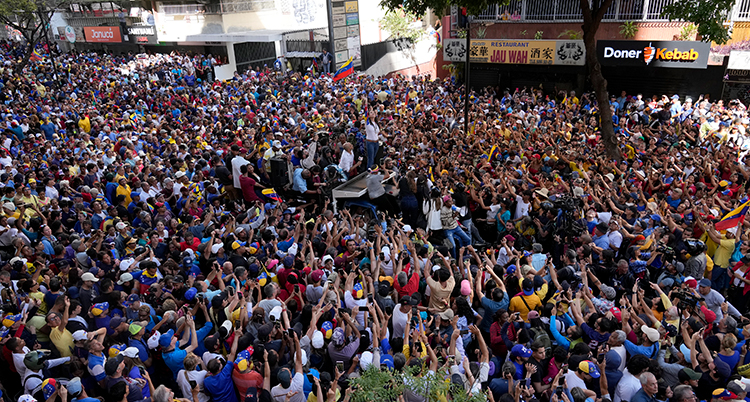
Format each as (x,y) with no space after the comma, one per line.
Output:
(463,239)
(372,150)
(720,279)
(473,231)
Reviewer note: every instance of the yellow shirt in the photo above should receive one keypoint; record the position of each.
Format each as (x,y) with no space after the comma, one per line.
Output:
(85,124)
(63,341)
(124,190)
(723,252)
(518,306)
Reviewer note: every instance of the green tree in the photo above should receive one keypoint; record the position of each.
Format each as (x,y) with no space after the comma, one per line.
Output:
(593,13)
(31,18)
(708,15)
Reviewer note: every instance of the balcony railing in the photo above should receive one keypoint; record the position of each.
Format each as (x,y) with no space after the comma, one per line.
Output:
(221,7)
(570,11)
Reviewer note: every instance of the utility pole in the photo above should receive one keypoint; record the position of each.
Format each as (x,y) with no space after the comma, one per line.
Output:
(467,73)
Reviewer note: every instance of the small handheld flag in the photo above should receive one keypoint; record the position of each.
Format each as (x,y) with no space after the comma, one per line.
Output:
(271,194)
(346,70)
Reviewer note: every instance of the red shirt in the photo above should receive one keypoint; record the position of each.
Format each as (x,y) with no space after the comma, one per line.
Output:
(194,246)
(248,189)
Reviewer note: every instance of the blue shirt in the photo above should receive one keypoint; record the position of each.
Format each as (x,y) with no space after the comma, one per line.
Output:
(96,366)
(221,386)
(174,360)
(490,308)
(299,182)
(648,351)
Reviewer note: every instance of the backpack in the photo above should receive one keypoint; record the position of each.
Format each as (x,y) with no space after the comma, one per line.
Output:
(541,336)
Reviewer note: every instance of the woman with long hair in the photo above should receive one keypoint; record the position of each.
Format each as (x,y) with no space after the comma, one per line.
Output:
(407,188)
(134,369)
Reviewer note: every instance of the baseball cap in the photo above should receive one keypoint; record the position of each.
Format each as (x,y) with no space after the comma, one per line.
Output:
(88,276)
(75,387)
(386,360)
(79,335)
(190,293)
(166,339)
(520,350)
(617,313)
(705,282)
(49,386)
(317,340)
(238,244)
(131,352)
(11,319)
(338,338)
(723,393)
(688,374)
(316,275)
(116,322)
(652,334)
(126,277)
(737,387)
(589,368)
(528,287)
(215,248)
(115,350)
(111,365)
(134,329)
(26,398)
(243,360)
(98,308)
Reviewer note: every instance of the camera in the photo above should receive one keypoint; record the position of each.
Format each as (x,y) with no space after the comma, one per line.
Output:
(687,300)
(667,251)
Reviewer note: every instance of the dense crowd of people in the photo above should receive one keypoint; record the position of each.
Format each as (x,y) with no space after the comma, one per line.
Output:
(149,251)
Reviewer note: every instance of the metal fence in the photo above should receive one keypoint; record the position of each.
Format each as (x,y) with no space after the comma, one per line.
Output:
(570,11)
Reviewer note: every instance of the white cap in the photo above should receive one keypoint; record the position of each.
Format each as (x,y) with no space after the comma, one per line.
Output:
(293,249)
(216,247)
(88,276)
(26,398)
(120,226)
(407,229)
(365,360)
(153,341)
(327,258)
(275,313)
(317,340)
(179,174)
(12,207)
(126,277)
(130,352)
(79,335)
(126,263)
(304,357)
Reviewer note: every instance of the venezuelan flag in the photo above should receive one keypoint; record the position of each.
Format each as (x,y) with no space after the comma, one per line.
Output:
(493,152)
(271,194)
(367,113)
(346,70)
(35,56)
(733,218)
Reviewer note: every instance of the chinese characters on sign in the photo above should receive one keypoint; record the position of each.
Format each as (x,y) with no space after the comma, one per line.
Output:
(544,52)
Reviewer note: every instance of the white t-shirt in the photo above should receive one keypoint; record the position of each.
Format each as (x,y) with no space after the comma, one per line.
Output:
(278,393)
(522,208)
(399,321)
(574,380)
(627,387)
(198,377)
(237,163)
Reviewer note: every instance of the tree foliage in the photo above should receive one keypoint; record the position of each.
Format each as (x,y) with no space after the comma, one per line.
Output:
(399,23)
(439,7)
(708,15)
(31,18)
(375,385)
